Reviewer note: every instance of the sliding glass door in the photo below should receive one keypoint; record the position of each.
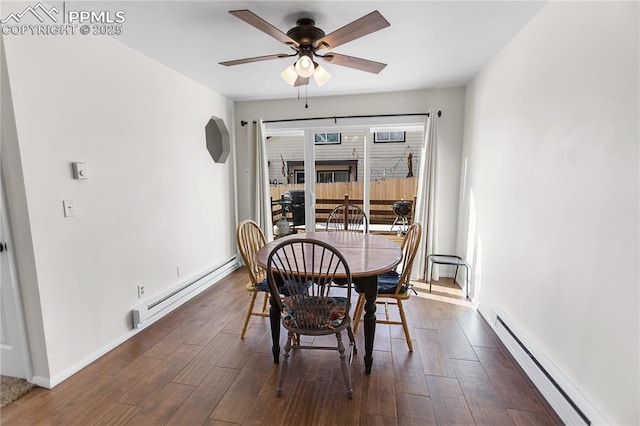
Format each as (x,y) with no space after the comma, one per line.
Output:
(314,164)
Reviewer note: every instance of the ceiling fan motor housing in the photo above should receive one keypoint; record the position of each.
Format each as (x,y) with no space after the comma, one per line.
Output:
(306,33)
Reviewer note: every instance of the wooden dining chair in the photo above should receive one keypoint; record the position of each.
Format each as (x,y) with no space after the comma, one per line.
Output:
(348,217)
(250,239)
(394,287)
(304,270)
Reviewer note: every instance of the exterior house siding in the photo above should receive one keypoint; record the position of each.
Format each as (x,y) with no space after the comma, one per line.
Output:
(388,160)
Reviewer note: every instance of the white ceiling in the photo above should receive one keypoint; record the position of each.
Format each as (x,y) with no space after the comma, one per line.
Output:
(430,44)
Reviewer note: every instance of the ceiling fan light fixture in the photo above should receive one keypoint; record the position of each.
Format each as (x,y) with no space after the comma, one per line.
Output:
(321,75)
(305,39)
(290,75)
(304,67)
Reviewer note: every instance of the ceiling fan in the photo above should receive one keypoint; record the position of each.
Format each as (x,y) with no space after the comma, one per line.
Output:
(305,39)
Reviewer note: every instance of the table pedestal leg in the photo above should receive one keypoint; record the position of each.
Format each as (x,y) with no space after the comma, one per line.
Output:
(274,318)
(369,286)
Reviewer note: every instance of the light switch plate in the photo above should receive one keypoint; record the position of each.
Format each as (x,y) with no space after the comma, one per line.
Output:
(69,208)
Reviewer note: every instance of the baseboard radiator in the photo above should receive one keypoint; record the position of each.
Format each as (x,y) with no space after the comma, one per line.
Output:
(155,309)
(561,394)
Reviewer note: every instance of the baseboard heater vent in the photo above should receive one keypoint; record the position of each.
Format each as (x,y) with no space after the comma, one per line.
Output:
(155,309)
(565,399)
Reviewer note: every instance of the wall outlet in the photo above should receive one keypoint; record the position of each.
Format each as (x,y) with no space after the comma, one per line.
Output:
(140,291)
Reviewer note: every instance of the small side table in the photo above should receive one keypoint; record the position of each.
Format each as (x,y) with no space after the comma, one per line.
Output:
(449,259)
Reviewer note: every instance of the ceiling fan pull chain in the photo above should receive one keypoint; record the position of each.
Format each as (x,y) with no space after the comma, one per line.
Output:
(306,96)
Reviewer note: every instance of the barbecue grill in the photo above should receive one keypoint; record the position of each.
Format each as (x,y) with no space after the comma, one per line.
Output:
(293,201)
(402,209)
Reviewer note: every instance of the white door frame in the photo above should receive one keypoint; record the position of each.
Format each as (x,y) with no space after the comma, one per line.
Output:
(15,355)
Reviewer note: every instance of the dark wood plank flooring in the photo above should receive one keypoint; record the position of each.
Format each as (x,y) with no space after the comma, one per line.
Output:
(192,368)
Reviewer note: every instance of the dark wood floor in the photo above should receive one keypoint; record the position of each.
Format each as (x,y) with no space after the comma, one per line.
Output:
(192,368)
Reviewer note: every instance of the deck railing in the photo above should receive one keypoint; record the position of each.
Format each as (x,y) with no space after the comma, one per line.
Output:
(383,195)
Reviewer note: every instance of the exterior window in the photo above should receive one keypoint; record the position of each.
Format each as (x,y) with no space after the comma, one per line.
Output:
(299,175)
(327,138)
(333,176)
(381,137)
(341,176)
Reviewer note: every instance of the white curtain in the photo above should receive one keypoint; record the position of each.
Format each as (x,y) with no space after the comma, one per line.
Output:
(263,196)
(425,212)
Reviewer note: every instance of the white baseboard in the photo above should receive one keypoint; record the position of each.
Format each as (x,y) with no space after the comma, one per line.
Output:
(51,382)
(43,382)
(567,401)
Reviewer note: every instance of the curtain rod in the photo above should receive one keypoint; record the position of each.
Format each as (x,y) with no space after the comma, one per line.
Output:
(335,118)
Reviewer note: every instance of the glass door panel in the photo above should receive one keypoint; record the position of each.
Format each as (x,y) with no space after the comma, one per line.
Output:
(339,169)
(285,159)
(395,165)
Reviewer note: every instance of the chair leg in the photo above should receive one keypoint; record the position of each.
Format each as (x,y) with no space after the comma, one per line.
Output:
(431,277)
(265,301)
(249,312)
(345,366)
(405,325)
(466,279)
(352,343)
(283,364)
(357,315)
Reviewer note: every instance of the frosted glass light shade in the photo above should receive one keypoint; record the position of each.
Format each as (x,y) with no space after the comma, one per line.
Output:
(304,67)
(290,75)
(321,75)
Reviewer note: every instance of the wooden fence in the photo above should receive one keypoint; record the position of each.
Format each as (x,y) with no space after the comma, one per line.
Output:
(383,194)
(388,189)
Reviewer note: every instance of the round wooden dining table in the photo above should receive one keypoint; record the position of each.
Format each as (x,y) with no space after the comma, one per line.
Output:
(367,255)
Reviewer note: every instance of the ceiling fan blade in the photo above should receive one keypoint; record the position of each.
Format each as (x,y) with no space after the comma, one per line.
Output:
(254,59)
(353,62)
(259,23)
(360,27)
(301,81)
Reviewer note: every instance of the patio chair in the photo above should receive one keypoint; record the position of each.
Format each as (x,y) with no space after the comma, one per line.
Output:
(347,217)
(304,270)
(250,239)
(394,287)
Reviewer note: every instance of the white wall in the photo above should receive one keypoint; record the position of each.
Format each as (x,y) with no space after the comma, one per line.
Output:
(549,204)
(154,201)
(450,101)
